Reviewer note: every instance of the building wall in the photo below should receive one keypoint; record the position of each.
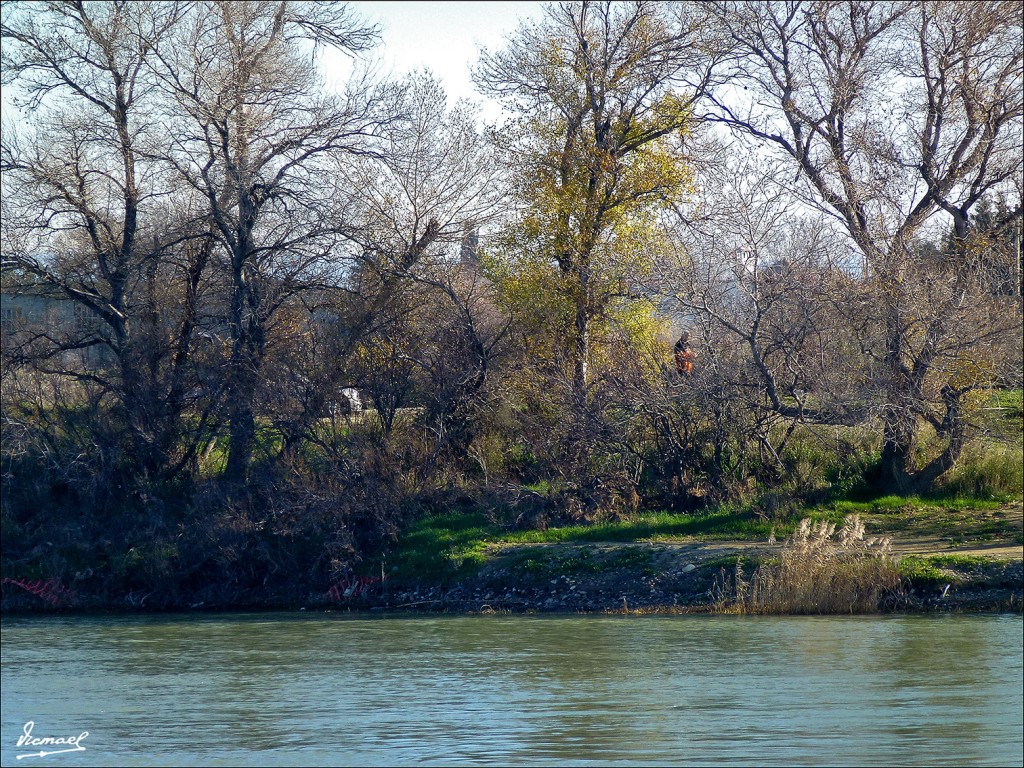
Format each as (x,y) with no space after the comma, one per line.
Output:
(24,316)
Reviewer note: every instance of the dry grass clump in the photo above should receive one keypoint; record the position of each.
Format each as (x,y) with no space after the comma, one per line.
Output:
(820,570)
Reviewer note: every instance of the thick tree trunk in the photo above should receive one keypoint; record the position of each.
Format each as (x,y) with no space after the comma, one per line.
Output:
(899,422)
(241,391)
(900,430)
(241,438)
(954,428)
(246,327)
(897,455)
(246,359)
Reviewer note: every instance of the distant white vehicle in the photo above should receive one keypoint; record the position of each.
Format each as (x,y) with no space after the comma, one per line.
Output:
(355,402)
(349,401)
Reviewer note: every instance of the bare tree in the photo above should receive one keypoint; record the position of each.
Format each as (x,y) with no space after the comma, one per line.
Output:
(421,209)
(757,270)
(83,218)
(893,115)
(252,135)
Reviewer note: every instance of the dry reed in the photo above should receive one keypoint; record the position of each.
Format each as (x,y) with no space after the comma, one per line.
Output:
(820,570)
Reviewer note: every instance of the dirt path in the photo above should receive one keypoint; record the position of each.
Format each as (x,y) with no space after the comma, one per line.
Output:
(900,546)
(1013,515)
(923,546)
(700,551)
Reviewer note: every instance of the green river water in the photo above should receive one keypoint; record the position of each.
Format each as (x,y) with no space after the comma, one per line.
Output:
(302,689)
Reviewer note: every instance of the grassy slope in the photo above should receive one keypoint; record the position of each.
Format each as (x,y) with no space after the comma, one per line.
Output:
(454,545)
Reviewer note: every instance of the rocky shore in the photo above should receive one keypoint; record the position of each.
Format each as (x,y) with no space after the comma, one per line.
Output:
(689,588)
(647,578)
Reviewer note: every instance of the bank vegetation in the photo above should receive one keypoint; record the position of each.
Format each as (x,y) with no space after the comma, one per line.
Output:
(255,327)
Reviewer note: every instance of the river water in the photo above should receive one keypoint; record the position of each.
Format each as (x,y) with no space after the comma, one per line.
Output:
(298,689)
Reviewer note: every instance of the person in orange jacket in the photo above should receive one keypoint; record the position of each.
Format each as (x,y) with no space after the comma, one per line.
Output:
(684,355)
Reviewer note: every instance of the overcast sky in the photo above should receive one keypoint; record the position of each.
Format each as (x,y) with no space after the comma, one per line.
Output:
(444,37)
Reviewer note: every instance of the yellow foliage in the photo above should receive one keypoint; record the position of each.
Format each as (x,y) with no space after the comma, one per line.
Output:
(972,372)
(602,159)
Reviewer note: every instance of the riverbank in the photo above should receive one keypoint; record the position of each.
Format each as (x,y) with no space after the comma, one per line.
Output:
(953,555)
(679,574)
(975,586)
(652,579)
(950,555)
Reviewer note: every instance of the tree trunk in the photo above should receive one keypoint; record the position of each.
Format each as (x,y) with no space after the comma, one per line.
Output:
(241,438)
(245,364)
(897,454)
(581,342)
(898,473)
(581,352)
(246,359)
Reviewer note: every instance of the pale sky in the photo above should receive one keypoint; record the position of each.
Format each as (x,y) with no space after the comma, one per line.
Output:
(442,36)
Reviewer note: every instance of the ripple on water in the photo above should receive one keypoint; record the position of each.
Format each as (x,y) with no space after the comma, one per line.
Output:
(287,689)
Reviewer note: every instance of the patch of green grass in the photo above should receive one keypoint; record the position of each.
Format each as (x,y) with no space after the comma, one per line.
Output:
(889,504)
(632,557)
(724,523)
(959,561)
(1007,398)
(933,570)
(580,563)
(583,561)
(539,565)
(922,571)
(1008,404)
(990,472)
(441,546)
(454,544)
(881,504)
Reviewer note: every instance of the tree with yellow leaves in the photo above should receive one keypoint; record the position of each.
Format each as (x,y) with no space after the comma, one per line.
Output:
(602,97)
